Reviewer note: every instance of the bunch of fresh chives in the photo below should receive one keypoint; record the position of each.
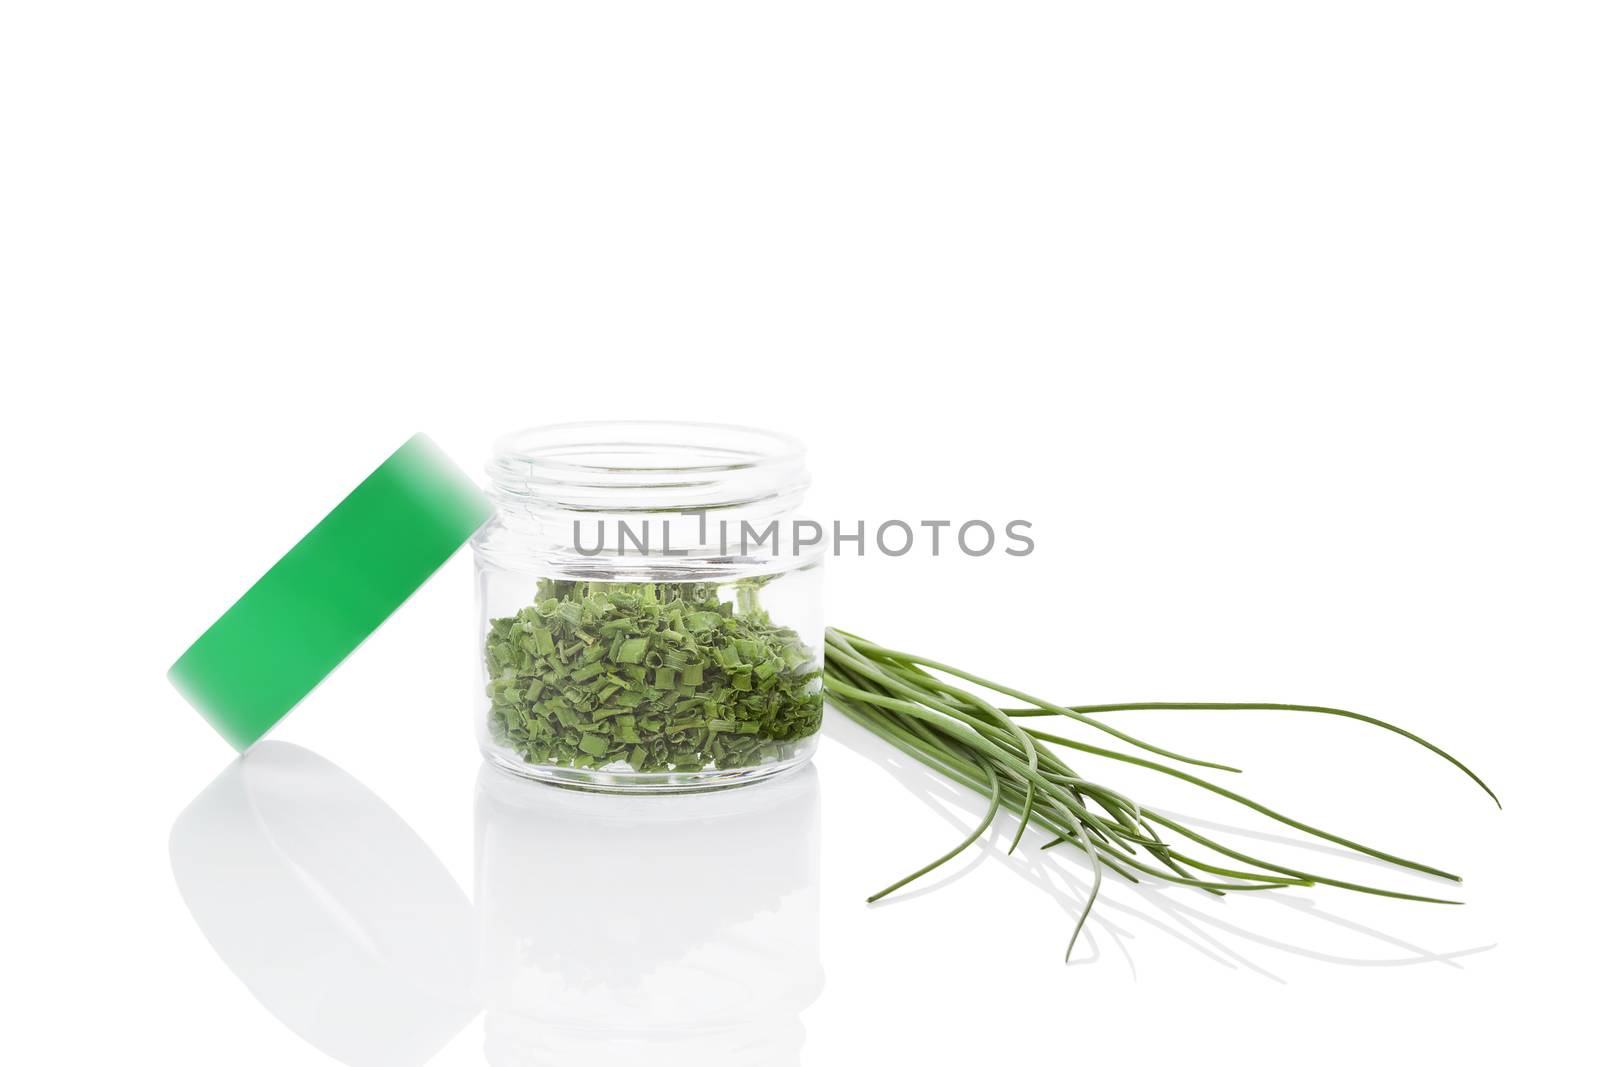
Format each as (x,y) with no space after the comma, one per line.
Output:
(899,697)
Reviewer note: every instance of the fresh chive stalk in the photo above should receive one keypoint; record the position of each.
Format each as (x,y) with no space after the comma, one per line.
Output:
(899,697)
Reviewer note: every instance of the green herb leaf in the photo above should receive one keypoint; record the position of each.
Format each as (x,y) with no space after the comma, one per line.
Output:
(649,677)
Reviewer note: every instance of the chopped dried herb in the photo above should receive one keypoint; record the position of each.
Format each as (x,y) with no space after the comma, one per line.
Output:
(649,676)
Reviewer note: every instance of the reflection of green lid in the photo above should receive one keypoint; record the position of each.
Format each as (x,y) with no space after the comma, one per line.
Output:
(294,626)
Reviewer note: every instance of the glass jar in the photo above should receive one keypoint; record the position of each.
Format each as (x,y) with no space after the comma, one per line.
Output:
(650,607)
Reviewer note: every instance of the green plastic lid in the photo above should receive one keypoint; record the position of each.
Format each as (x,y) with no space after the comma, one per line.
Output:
(322,599)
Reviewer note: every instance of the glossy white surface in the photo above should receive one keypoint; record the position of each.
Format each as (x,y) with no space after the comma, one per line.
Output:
(684,928)
(687,929)
(1277,320)
(405,900)
(328,908)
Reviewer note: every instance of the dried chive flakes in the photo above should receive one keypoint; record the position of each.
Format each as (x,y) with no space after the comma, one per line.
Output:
(656,676)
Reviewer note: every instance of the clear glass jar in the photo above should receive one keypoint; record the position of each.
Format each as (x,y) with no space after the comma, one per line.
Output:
(650,607)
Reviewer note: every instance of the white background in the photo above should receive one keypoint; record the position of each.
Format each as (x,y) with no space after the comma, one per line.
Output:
(1277,320)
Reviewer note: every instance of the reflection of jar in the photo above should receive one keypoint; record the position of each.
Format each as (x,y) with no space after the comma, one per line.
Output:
(620,930)
(650,618)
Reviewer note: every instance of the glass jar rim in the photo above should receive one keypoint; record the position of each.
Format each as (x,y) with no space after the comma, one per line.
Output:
(646,465)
